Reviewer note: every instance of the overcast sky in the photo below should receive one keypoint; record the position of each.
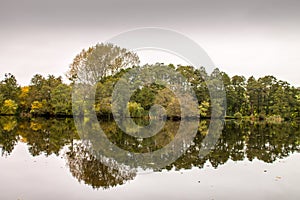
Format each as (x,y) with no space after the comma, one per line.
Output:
(242,37)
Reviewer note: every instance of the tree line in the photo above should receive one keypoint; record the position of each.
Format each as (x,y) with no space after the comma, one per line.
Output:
(104,65)
(257,98)
(44,96)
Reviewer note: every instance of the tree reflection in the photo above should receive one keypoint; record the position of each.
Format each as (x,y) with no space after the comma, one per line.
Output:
(97,172)
(246,140)
(47,136)
(238,141)
(8,134)
(132,144)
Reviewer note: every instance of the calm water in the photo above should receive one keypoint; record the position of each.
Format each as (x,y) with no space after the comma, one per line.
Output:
(45,159)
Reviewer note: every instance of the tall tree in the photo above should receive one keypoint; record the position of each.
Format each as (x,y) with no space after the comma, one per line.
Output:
(91,65)
(9,88)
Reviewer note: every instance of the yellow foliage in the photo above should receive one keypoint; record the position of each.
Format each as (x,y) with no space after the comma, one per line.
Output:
(36,106)
(35,126)
(203,108)
(24,95)
(23,139)
(9,107)
(203,128)
(24,91)
(10,125)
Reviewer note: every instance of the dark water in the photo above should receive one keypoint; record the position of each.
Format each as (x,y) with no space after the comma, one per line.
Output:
(45,159)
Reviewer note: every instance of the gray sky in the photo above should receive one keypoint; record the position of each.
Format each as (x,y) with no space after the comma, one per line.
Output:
(242,37)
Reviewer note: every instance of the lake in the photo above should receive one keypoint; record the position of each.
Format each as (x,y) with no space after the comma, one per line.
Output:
(46,159)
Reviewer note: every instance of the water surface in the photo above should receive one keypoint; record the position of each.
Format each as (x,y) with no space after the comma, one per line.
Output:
(45,159)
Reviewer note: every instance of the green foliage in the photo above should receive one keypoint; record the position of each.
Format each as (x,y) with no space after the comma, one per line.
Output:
(61,100)
(1,99)
(103,96)
(135,109)
(260,98)
(9,88)
(105,65)
(145,96)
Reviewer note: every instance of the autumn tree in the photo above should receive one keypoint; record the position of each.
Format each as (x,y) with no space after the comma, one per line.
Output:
(93,64)
(40,92)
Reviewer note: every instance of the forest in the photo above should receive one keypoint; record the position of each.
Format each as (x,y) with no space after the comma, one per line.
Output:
(49,96)
(264,98)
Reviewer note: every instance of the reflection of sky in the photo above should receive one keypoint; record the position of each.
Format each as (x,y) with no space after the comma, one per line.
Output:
(27,177)
(242,37)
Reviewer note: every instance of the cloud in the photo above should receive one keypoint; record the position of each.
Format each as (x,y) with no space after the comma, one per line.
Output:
(243,37)
(135,12)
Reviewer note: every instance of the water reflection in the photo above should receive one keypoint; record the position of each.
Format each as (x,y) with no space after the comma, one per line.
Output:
(239,141)
(8,134)
(99,173)
(47,136)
